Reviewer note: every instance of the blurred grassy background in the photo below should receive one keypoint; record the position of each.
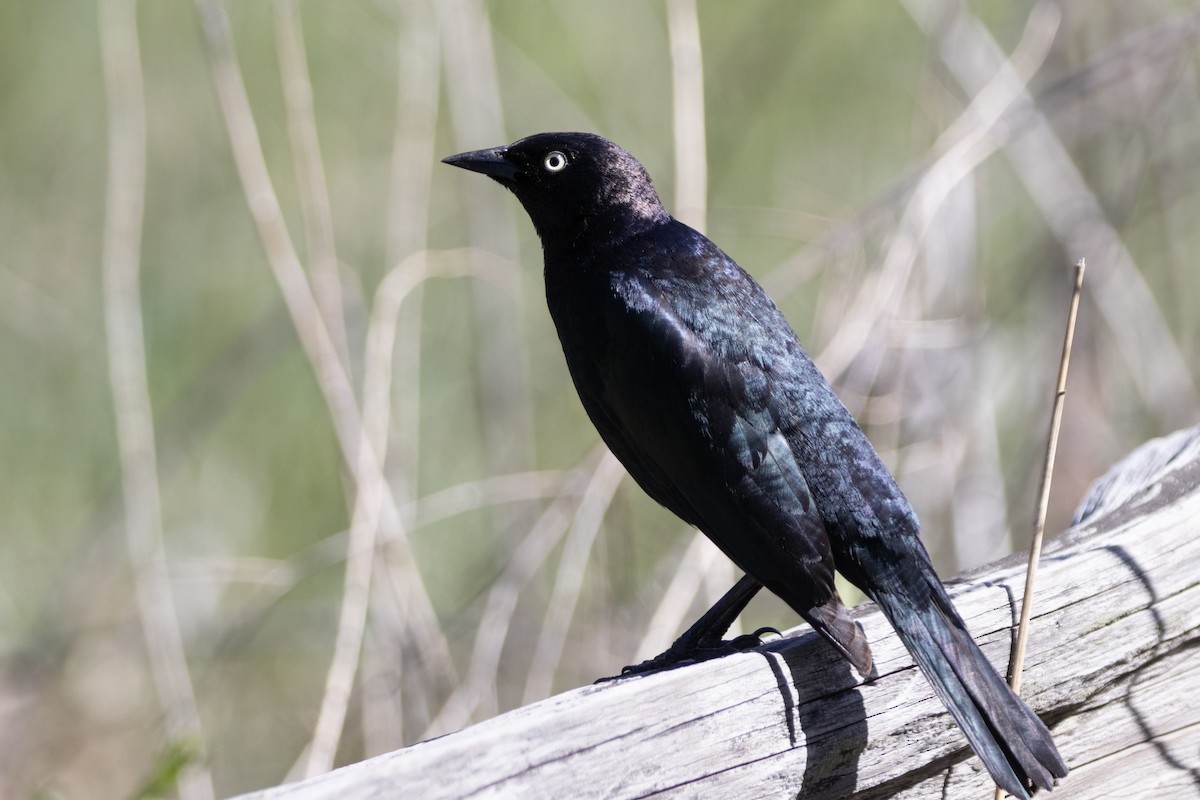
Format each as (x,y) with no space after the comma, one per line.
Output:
(939,320)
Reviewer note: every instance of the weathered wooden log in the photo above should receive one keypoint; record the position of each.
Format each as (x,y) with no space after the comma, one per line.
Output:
(1112,667)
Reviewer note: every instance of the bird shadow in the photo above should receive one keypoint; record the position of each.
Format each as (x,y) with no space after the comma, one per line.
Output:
(823,706)
(1166,757)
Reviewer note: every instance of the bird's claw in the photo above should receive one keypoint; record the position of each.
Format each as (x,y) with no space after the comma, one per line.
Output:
(749,641)
(682,654)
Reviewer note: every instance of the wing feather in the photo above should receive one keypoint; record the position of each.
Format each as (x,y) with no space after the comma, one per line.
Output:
(710,443)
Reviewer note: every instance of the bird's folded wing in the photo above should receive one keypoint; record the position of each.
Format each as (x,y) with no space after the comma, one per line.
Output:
(691,414)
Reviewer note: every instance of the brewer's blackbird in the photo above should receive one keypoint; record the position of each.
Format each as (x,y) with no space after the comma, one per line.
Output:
(699,386)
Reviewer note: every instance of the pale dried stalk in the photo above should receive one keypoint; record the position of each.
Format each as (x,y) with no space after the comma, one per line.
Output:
(980,508)
(686,580)
(501,350)
(1072,211)
(311,185)
(412,164)
(967,143)
(326,286)
(1039,525)
(964,145)
(364,525)
(378,505)
(527,558)
(272,230)
(413,161)
(124,207)
(398,285)
(568,580)
(327,291)
(687,96)
(360,554)
(498,489)
(401,282)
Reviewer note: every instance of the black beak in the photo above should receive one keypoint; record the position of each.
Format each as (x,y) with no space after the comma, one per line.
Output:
(491,162)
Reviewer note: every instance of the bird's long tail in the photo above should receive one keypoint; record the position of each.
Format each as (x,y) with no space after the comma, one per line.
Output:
(1008,737)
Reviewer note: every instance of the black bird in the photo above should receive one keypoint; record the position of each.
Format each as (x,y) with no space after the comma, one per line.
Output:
(699,386)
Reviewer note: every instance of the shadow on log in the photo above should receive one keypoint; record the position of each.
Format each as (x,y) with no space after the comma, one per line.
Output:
(1113,667)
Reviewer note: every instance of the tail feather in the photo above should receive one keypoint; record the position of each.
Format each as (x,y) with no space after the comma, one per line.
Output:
(833,622)
(1018,729)
(1008,737)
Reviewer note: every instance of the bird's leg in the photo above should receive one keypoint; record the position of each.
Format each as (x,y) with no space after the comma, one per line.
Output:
(703,640)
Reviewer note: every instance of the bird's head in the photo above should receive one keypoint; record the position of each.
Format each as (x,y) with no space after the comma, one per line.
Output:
(573,185)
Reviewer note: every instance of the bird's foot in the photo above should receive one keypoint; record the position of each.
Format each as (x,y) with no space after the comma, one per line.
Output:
(685,651)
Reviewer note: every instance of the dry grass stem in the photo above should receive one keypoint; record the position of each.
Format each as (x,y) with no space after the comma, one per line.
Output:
(272,230)
(498,489)
(568,579)
(667,620)
(311,185)
(418,79)
(501,353)
(1074,213)
(360,554)
(385,703)
(375,504)
(121,264)
(687,105)
(965,144)
(398,285)
(1039,525)
(527,558)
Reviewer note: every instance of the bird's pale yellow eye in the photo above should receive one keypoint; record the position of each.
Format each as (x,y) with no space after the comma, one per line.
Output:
(555,161)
